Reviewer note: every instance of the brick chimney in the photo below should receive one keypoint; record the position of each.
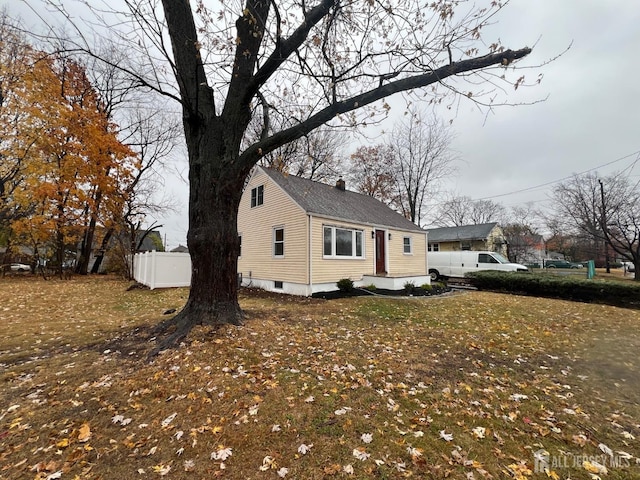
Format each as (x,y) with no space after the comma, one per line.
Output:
(340,185)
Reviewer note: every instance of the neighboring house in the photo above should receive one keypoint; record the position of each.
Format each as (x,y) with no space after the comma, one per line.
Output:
(151,241)
(298,236)
(180,249)
(119,246)
(485,236)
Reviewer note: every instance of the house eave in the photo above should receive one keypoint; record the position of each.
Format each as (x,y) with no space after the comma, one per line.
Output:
(366,224)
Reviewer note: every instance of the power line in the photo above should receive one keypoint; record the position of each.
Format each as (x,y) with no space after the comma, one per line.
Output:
(637,153)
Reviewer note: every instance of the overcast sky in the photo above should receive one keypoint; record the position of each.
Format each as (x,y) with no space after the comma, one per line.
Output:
(590,119)
(591,116)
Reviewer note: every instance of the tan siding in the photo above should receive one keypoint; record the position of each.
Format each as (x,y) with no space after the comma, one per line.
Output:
(256,227)
(495,241)
(330,269)
(448,246)
(456,246)
(401,264)
(492,243)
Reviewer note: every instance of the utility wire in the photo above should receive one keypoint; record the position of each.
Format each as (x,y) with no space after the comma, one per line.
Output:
(637,153)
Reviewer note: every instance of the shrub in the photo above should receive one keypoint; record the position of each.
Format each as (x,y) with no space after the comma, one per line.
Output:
(408,287)
(345,285)
(570,288)
(426,287)
(371,288)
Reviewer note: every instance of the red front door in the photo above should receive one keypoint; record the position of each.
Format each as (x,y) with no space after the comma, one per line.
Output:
(380,253)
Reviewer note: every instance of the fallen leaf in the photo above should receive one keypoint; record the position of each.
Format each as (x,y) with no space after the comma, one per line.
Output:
(447,437)
(165,423)
(303,449)
(594,467)
(361,454)
(366,437)
(84,434)
(283,472)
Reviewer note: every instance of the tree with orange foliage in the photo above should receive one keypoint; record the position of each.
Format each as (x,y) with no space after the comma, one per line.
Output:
(80,170)
(20,88)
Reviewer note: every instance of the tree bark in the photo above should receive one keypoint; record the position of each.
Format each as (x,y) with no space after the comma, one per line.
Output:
(86,247)
(103,248)
(214,247)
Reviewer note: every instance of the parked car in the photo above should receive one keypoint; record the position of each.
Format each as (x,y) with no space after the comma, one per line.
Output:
(561,264)
(20,267)
(628,267)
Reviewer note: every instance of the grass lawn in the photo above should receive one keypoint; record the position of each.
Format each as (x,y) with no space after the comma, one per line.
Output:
(467,386)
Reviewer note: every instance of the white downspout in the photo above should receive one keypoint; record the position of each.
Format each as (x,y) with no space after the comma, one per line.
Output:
(426,256)
(310,282)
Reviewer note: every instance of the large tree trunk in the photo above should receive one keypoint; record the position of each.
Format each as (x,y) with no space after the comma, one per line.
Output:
(215,192)
(214,247)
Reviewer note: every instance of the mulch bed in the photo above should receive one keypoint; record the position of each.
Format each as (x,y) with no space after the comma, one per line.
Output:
(360,292)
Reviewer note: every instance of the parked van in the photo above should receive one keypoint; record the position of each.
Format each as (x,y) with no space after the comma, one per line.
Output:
(456,264)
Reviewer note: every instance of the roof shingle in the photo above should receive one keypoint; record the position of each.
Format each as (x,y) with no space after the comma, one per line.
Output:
(328,201)
(464,232)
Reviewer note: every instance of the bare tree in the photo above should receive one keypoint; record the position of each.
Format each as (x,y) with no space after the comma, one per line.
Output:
(422,157)
(321,62)
(372,172)
(604,209)
(459,211)
(525,244)
(316,156)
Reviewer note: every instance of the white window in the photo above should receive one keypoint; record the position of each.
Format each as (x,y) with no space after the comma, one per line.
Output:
(434,247)
(407,245)
(341,242)
(257,196)
(278,242)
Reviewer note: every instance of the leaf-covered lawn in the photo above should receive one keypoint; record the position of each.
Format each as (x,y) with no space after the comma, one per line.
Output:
(474,385)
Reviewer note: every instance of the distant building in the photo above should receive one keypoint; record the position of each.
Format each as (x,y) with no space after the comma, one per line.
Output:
(485,236)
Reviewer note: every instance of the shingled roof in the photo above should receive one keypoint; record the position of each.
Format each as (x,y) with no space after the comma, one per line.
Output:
(464,232)
(329,201)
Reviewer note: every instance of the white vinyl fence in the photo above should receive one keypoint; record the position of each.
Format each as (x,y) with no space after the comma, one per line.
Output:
(162,269)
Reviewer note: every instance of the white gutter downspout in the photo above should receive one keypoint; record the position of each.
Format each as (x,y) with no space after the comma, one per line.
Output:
(310,282)
(426,256)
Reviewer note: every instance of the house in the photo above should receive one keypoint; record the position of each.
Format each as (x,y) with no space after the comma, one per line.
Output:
(299,237)
(485,236)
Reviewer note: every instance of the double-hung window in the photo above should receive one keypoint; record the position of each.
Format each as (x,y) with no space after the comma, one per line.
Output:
(257,196)
(341,242)
(278,242)
(407,246)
